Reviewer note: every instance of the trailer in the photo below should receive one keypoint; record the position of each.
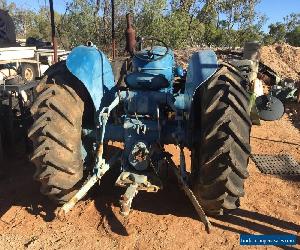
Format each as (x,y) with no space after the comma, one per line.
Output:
(19,68)
(28,62)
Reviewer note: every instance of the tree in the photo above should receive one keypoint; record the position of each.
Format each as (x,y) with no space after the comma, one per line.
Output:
(291,21)
(9,7)
(277,32)
(79,24)
(180,23)
(287,31)
(293,37)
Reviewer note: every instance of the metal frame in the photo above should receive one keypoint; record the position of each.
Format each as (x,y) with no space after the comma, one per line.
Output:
(10,90)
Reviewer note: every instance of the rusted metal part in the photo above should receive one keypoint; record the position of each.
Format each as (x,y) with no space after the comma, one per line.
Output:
(113,48)
(126,200)
(78,196)
(151,184)
(268,75)
(54,40)
(190,195)
(103,168)
(130,36)
(134,183)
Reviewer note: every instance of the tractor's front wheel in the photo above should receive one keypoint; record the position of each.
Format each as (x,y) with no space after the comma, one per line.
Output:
(56,135)
(221,151)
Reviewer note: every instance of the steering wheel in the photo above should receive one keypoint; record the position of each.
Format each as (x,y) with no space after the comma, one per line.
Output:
(150,52)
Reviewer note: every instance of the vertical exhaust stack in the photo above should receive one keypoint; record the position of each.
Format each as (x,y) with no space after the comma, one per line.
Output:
(130,36)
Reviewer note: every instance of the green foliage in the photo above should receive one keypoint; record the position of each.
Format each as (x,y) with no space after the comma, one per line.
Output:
(293,37)
(277,32)
(288,31)
(79,24)
(226,23)
(177,30)
(292,21)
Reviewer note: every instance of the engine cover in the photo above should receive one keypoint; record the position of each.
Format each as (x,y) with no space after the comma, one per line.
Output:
(155,74)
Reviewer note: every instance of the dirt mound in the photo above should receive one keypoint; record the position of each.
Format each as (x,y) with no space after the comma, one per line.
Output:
(182,56)
(284,59)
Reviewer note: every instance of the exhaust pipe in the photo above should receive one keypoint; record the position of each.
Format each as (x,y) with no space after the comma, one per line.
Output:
(130,36)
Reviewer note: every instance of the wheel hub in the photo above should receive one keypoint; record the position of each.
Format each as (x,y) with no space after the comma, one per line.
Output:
(28,74)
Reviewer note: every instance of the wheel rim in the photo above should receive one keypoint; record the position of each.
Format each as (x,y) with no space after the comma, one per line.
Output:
(28,74)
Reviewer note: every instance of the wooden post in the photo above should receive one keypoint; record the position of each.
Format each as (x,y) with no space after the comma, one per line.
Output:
(113,37)
(54,41)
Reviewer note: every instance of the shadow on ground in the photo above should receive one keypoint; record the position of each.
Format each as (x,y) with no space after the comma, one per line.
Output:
(256,222)
(293,111)
(271,140)
(172,200)
(18,188)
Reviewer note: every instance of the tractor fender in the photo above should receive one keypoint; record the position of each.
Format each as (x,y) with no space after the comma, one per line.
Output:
(202,65)
(93,69)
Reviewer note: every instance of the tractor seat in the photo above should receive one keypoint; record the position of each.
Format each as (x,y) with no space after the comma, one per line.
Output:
(146,81)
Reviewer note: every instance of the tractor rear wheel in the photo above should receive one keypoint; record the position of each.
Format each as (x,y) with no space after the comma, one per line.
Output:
(56,135)
(221,153)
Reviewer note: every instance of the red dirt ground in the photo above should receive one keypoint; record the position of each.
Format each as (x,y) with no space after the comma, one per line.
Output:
(165,220)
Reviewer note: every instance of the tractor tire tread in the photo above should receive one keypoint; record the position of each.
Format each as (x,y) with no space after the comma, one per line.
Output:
(56,135)
(224,144)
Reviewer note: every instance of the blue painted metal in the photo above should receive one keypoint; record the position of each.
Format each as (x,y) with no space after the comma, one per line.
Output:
(179,71)
(179,101)
(149,96)
(146,81)
(93,69)
(202,66)
(164,66)
(145,102)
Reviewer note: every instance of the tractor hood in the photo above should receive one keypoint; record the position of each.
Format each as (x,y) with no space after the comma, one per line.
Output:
(155,73)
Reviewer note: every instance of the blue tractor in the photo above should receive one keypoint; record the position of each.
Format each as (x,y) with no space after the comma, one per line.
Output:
(80,107)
